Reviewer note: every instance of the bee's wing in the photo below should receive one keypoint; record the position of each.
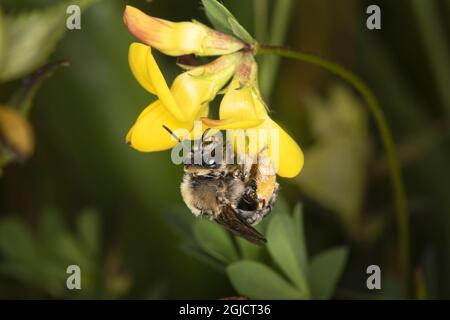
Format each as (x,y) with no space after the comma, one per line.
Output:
(237,225)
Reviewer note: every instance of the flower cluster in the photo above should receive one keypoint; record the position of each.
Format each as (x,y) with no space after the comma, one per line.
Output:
(187,100)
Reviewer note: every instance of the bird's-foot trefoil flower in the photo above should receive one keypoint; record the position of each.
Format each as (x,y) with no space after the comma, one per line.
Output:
(180,105)
(187,100)
(242,101)
(179,38)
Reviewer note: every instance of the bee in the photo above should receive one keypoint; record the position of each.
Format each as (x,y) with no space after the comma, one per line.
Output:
(236,196)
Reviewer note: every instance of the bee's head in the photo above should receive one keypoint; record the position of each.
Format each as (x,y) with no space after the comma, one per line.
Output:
(206,155)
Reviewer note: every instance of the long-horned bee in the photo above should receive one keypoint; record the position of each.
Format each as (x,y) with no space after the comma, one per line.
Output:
(235,195)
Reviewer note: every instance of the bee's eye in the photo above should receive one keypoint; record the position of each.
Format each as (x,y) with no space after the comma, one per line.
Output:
(210,162)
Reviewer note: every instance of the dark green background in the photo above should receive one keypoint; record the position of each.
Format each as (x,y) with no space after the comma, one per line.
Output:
(83,112)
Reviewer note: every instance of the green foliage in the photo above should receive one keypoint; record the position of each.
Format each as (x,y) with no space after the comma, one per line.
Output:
(276,35)
(286,249)
(258,281)
(224,21)
(2,37)
(215,241)
(339,126)
(247,268)
(40,258)
(22,98)
(325,270)
(81,128)
(26,42)
(30,37)
(248,250)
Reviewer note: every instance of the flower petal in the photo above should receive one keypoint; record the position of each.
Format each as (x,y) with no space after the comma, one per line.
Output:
(192,93)
(148,133)
(162,90)
(238,104)
(232,123)
(138,59)
(148,74)
(179,38)
(193,88)
(287,158)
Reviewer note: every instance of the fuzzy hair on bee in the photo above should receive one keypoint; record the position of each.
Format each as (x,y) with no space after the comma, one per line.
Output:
(236,196)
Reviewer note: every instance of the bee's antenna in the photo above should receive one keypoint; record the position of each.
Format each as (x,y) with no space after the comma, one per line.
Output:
(205,133)
(171,133)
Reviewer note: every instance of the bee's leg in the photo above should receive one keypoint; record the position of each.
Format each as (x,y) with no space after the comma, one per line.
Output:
(207,214)
(255,217)
(247,215)
(274,196)
(259,215)
(222,200)
(247,167)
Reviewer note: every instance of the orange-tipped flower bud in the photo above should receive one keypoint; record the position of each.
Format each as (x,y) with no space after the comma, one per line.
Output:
(179,38)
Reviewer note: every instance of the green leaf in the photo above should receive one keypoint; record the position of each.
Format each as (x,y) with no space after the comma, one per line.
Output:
(3,43)
(72,252)
(281,206)
(51,229)
(182,221)
(283,245)
(88,231)
(325,270)
(16,242)
(217,14)
(224,21)
(300,234)
(23,97)
(215,240)
(195,251)
(239,31)
(248,250)
(32,37)
(257,281)
(340,126)
(29,260)
(20,271)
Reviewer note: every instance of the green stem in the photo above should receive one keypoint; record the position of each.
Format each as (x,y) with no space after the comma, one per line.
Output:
(278,29)
(435,41)
(402,216)
(261,11)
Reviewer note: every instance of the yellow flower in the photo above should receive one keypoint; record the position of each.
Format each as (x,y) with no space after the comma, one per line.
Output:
(179,38)
(179,106)
(242,101)
(16,133)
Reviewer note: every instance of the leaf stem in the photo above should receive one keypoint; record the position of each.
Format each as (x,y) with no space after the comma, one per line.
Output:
(401,210)
(278,28)
(261,11)
(434,40)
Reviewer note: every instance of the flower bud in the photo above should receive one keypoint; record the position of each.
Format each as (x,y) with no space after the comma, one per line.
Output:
(179,38)
(16,134)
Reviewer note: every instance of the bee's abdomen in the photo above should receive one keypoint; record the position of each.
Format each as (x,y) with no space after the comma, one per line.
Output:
(200,196)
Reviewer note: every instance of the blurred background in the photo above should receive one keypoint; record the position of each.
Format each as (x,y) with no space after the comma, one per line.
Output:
(84,196)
